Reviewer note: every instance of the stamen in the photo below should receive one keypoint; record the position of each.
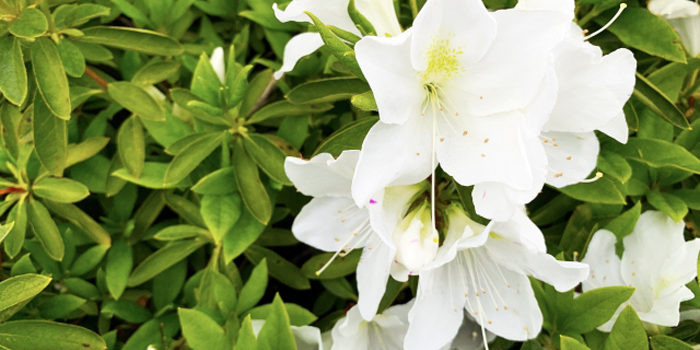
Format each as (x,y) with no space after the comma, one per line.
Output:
(345,244)
(557,174)
(623,6)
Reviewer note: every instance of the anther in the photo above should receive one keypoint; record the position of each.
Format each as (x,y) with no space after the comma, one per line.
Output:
(337,239)
(568,158)
(343,220)
(489,322)
(442,139)
(486,140)
(465,132)
(483,155)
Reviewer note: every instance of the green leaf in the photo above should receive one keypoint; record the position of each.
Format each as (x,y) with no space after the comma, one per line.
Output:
(327,90)
(127,310)
(50,138)
(205,82)
(13,84)
(30,23)
(664,342)
(119,263)
(624,224)
(348,137)
(593,308)
(364,101)
(268,156)
(137,100)
(248,180)
(249,94)
(15,292)
(153,176)
(254,288)
(246,336)
(279,268)
(85,150)
(77,217)
(627,333)
(568,343)
(657,154)
(221,213)
(360,21)
(89,260)
(298,316)
(15,240)
(190,157)
(155,72)
(217,183)
(45,229)
(61,306)
(163,258)
(46,335)
(185,209)
(340,50)
(133,39)
(669,204)
(600,191)
(248,229)
(51,77)
(286,109)
(614,165)
(641,29)
(340,267)
(168,284)
(72,59)
(177,232)
(659,103)
(131,143)
(82,288)
(276,334)
(61,190)
(201,331)
(83,13)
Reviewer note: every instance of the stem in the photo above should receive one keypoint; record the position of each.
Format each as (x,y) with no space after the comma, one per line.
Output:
(91,73)
(414,8)
(587,18)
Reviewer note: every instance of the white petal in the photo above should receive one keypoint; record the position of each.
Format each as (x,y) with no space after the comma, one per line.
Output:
(386,64)
(462,233)
(674,8)
(689,31)
(571,156)
(217,62)
(301,45)
(617,128)
(679,269)
(323,175)
(372,276)
(387,208)
(523,44)
(563,6)
(666,310)
(484,149)
(322,226)
(330,12)
(466,25)
(654,238)
(381,14)
(469,336)
(604,263)
(392,155)
(586,76)
(351,332)
(437,311)
(307,338)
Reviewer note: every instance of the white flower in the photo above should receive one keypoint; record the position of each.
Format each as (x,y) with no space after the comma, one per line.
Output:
(305,337)
(486,274)
(656,261)
(684,16)
(331,12)
(416,239)
(385,331)
(591,90)
(451,90)
(332,222)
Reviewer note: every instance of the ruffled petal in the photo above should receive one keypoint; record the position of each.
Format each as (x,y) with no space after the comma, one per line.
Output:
(323,175)
(328,223)
(330,12)
(604,263)
(689,31)
(674,8)
(301,45)
(381,14)
(571,156)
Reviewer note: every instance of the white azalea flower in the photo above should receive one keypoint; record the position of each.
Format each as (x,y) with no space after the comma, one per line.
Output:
(217,62)
(332,222)
(305,337)
(657,261)
(684,17)
(453,89)
(486,275)
(591,90)
(331,12)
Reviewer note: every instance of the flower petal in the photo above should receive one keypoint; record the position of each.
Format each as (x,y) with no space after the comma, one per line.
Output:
(392,155)
(328,223)
(464,25)
(351,332)
(679,268)
(585,76)
(330,12)
(388,208)
(217,62)
(617,128)
(381,14)
(323,175)
(386,64)
(571,156)
(301,45)
(674,8)
(563,6)
(484,149)
(372,275)
(604,263)
(666,310)
(307,338)
(523,44)
(688,29)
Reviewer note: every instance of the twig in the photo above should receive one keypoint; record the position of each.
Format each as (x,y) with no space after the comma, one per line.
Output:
(268,90)
(91,73)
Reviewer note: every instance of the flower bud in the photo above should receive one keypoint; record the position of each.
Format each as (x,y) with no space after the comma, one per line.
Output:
(416,239)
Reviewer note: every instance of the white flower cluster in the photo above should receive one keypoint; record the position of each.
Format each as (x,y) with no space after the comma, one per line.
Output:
(503,101)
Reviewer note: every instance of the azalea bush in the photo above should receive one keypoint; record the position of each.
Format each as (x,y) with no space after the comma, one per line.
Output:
(349,174)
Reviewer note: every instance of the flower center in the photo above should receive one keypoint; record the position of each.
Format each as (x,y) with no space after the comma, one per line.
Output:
(443,61)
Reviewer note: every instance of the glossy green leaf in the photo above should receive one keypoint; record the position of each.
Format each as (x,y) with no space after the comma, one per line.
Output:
(279,267)
(155,72)
(217,183)
(340,50)
(281,109)
(15,292)
(340,267)
(45,229)
(46,335)
(51,77)
(327,90)
(133,39)
(131,143)
(190,157)
(268,156)
(593,308)
(657,154)
(658,102)
(627,333)
(664,342)
(568,343)
(15,240)
(600,191)
(61,190)
(252,190)
(163,258)
(349,137)
(30,23)
(13,85)
(254,288)
(61,306)
(201,331)
(137,100)
(72,59)
(119,263)
(221,213)
(74,215)
(671,205)
(89,260)
(50,138)
(276,333)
